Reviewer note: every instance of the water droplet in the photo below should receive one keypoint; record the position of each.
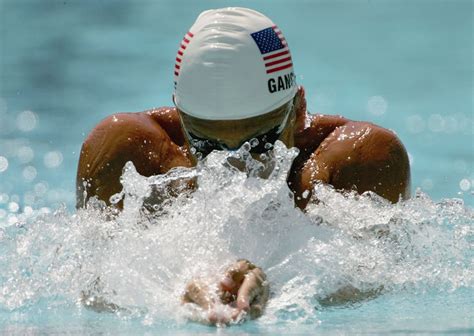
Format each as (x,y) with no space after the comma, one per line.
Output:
(114,199)
(465,184)
(12,220)
(28,211)
(246,147)
(13,207)
(3,164)
(53,159)
(26,121)
(377,105)
(29,173)
(25,154)
(254,142)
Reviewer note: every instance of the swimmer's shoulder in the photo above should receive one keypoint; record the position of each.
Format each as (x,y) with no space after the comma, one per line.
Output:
(316,128)
(320,127)
(125,123)
(167,117)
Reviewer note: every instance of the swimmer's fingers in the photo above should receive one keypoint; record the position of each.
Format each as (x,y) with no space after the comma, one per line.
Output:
(235,276)
(300,110)
(253,294)
(198,293)
(257,306)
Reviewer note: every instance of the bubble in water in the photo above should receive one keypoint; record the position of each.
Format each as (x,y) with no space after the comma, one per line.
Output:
(25,154)
(415,124)
(3,164)
(377,105)
(27,121)
(53,159)
(29,173)
(465,184)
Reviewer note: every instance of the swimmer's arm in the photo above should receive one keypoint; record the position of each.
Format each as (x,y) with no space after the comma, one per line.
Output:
(147,139)
(349,155)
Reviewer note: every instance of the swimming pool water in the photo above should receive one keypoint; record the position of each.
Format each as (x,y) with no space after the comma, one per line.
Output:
(406,65)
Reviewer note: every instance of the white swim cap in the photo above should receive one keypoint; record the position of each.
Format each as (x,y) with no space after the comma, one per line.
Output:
(234,63)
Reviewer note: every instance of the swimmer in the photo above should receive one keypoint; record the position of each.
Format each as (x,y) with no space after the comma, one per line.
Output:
(234,81)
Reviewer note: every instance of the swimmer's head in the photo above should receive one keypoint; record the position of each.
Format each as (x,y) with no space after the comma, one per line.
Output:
(233,64)
(260,131)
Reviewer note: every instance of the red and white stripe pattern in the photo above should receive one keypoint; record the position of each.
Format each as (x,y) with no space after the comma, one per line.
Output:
(279,59)
(179,57)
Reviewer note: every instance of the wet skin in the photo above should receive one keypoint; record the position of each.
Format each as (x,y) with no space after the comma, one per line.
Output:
(348,155)
(243,287)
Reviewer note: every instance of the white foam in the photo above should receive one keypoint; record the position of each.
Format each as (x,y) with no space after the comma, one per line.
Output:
(144,260)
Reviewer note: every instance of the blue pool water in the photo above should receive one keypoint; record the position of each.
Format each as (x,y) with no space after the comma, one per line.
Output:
(406,65)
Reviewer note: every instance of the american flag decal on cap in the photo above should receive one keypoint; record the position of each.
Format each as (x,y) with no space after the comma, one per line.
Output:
(273,48)
(179,57)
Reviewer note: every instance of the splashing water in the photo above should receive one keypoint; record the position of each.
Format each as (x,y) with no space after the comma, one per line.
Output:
(140,261)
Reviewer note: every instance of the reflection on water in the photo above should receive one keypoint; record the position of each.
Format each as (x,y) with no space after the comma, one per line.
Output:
(144,259)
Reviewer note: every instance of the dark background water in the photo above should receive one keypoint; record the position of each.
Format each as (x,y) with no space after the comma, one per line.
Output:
(406,65)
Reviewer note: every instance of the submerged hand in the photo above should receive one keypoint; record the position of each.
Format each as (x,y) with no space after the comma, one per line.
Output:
(243,289)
